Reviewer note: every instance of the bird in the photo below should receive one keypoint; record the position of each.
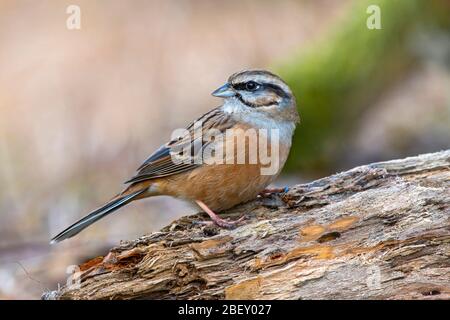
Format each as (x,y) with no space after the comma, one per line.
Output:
(253,101)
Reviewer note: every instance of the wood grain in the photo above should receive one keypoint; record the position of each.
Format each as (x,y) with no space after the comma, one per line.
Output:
(380,231)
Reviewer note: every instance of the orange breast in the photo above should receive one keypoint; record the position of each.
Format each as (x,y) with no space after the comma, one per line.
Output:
(222,186)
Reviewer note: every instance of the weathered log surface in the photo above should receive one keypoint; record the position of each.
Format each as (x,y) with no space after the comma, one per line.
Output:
(380,231)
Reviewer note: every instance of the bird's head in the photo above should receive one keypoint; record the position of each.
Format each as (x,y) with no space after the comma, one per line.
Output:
(259,91)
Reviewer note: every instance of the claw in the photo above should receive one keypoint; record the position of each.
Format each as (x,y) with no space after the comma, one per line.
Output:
(269,191)
(227,223)
(223,223)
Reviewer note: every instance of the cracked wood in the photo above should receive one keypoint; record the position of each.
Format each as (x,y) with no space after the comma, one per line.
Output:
(380,231)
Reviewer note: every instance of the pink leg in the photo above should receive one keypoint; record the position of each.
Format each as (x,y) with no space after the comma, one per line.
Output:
(216,219)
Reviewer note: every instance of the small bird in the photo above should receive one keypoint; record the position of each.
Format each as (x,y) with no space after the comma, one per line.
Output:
(255,100)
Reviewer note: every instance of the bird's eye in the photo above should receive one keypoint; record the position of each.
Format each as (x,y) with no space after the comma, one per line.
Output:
(251,86)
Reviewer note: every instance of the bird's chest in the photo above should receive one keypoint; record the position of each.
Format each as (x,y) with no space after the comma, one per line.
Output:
(222,186)
(242,163)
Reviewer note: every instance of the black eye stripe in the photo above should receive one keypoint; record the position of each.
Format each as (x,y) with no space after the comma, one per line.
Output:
(278,90)
(265,86)
(247,86)
(240,86)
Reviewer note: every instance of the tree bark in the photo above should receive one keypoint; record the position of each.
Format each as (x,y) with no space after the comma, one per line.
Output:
(380,231)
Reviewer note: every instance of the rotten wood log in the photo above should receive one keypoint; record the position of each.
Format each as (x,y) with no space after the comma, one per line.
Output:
(380,231)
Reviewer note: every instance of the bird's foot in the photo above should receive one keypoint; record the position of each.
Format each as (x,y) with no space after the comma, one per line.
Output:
(218,221)
(266,193)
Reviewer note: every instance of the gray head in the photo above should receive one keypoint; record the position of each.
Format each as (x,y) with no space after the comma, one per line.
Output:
(261,91)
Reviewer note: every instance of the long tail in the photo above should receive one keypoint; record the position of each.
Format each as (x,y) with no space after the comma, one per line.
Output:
(96,215)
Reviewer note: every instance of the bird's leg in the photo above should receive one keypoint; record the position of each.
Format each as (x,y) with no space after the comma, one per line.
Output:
(216,219)
(269,191)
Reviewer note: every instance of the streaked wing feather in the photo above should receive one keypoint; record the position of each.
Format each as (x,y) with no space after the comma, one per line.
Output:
(160,164)
(158,154)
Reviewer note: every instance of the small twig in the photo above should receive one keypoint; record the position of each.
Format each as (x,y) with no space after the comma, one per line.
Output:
(40,283)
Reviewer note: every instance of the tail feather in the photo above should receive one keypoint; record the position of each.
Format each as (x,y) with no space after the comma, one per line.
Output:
(96,215)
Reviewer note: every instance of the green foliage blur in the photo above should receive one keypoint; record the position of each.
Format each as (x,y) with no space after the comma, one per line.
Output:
(341,77)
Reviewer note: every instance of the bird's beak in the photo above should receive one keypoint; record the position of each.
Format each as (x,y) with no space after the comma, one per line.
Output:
(224,91)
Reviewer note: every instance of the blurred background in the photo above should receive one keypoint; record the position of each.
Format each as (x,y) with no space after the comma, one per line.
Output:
(81,109)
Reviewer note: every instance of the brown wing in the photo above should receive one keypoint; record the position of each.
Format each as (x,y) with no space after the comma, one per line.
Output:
(162,162)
